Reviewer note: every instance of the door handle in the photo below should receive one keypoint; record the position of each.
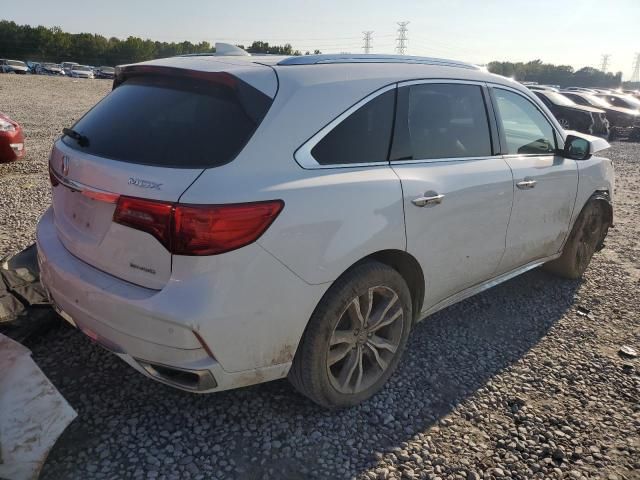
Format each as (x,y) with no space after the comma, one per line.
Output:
(526,184)
(424,201)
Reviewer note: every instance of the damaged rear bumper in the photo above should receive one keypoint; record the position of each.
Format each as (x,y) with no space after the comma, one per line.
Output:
(127,320)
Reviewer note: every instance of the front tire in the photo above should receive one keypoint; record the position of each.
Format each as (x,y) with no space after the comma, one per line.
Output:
(355,337)
(587,235)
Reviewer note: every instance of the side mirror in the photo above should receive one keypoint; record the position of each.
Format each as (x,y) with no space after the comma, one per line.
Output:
(577,148)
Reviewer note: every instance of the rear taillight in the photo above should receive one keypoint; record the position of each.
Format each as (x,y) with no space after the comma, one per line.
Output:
(198,229)
(146,215)
(208,230)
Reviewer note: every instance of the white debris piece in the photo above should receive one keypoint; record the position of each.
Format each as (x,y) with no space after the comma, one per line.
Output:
(33,413)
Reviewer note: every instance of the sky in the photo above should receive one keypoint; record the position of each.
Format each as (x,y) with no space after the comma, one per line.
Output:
(568,32)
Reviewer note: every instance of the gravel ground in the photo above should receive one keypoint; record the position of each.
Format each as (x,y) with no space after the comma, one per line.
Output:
(513,383)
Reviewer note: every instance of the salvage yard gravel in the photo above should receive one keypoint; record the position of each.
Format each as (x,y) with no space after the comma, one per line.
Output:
(526,380)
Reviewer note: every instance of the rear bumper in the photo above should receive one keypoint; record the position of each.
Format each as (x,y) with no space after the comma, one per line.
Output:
(153,333)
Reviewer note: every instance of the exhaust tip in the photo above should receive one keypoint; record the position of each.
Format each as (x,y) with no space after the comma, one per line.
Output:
(194,380)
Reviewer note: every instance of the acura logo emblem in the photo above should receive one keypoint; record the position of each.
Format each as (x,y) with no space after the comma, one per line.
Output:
(65,165)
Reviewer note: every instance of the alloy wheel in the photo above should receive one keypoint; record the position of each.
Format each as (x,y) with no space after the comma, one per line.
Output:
(365,340)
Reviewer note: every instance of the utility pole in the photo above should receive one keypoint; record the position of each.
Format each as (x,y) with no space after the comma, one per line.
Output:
(635,76)
(605,62)
(401,46)
(367,41)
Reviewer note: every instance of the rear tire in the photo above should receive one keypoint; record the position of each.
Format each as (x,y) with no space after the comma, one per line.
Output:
(355,337)
(587,235)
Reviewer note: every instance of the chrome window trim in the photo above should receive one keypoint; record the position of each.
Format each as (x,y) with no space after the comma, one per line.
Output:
(521,155)
(303,156)
(443,160)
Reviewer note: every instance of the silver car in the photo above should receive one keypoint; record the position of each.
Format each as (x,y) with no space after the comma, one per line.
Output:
(220,221)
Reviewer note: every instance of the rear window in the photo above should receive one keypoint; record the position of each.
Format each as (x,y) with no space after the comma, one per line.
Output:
(172,122)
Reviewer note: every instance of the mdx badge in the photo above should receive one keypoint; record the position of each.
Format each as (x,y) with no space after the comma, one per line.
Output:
(138,182)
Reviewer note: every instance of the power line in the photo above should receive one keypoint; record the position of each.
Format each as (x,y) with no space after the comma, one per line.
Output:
(367,41)
(402,40)
(605,62)
(635,76)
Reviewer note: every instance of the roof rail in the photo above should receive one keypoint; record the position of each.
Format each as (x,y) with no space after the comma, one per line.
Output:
(372,58)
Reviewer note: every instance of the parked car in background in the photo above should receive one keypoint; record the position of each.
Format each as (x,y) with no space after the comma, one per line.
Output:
(11,139)
(634,93)
(542,88)
(572,116)
(32,66)
(621,100)
(393,194)
(81,71)
(50,69)
(67,66)
(105,72)
(623,122)
(579,89)
(13,66)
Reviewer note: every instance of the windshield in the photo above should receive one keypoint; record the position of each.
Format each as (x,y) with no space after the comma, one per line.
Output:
(81,68)
(559,99)
(16,63)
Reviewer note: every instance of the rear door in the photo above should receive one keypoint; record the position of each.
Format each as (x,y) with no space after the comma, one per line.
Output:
(545,183)
(150,138)
(457,192)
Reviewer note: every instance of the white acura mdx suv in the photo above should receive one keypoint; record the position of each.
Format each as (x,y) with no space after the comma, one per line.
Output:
(224,220)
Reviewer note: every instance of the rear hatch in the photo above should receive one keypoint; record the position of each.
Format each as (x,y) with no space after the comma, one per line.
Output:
(118,172)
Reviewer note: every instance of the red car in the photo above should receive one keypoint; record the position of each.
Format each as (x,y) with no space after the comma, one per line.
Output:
(11,139)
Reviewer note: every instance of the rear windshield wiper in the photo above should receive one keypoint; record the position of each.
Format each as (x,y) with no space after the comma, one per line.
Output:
(82,140)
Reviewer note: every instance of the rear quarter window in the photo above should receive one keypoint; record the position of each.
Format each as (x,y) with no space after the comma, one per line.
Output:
(362,137)
(172,122)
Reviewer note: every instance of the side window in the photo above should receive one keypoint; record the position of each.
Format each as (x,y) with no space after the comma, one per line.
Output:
(527,131)
(362,137)
(436,120)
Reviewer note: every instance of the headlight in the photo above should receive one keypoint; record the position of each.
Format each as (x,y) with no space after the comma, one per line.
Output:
(6,126)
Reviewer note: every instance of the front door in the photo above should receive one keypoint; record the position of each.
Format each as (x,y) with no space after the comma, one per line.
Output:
(457,194)
(544,183)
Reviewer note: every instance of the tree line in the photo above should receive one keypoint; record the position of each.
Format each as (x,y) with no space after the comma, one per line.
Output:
(562,75)
(42,44)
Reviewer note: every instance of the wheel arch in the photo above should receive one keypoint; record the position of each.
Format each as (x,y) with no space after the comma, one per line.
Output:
(600,195)
(605,197)
(409,268)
